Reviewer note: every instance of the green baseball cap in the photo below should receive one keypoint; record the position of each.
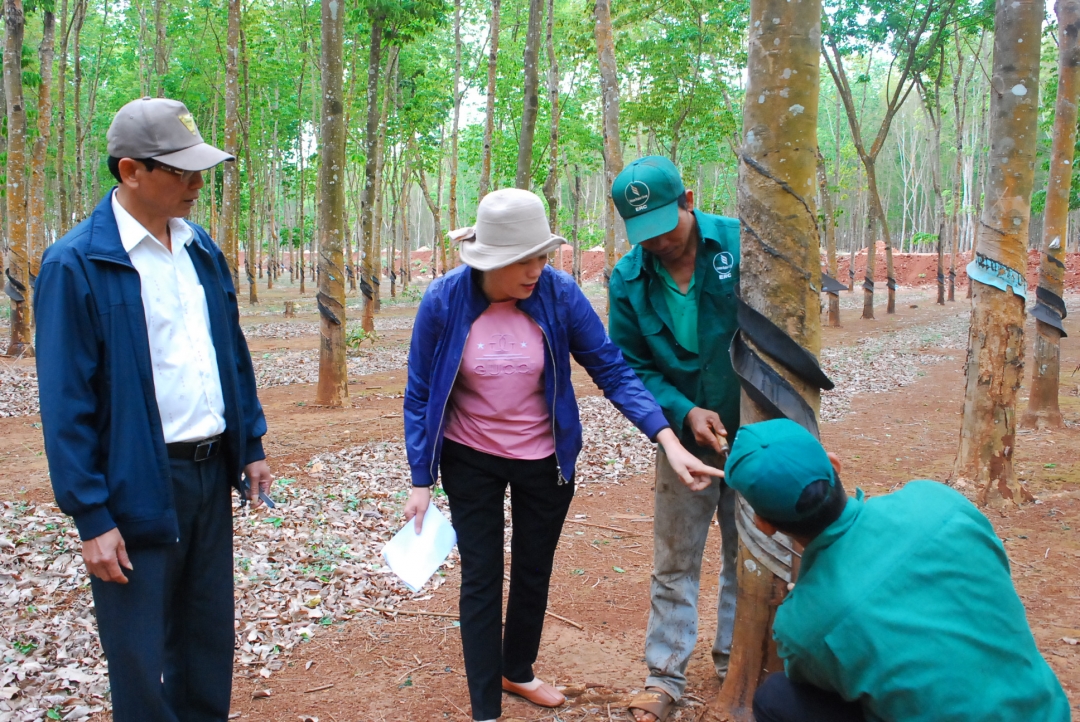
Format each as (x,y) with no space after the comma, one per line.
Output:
(771,463)
(646,194)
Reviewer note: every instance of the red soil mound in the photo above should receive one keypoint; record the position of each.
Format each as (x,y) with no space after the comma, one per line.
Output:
(920,269)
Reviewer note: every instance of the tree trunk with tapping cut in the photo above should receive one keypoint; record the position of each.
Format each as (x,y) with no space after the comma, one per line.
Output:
(995,359)
(230,191)
(830,238)
(1043,410)
(531,103)
(333,388)
(368,197)
(17,268)
(489,118)
(609,102)
(780,274)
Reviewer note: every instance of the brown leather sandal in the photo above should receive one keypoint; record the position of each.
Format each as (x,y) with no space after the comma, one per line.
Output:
(654,701)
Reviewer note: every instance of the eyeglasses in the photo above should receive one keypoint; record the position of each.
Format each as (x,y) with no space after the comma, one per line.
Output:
(185,175)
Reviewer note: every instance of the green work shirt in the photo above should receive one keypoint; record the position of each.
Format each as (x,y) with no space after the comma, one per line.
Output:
(905,603)
(683,307)
(642,324)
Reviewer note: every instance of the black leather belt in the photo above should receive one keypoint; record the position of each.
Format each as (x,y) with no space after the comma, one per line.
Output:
(195,450)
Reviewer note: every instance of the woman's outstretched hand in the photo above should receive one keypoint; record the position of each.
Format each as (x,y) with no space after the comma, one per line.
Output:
(417,505)
(690,469)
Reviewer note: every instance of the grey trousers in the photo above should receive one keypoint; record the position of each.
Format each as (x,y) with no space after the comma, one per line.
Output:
(681,527)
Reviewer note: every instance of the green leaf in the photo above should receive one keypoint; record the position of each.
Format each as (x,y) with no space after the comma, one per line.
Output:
(620,570)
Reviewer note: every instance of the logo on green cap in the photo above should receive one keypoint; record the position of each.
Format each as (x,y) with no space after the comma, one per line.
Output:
(637,195)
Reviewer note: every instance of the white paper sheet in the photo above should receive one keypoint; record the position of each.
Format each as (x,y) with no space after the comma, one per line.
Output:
(415,557)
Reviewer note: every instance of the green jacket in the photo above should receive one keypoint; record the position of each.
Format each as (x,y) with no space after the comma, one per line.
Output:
(906,604)
(640,324)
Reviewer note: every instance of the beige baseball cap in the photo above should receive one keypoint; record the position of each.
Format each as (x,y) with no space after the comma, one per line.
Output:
(164,130)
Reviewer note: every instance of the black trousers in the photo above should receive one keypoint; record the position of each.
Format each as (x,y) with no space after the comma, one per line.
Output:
(475,485)
(168,633)
(778,699)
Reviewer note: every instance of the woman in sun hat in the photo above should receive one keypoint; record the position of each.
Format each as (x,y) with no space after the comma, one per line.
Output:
(490,403)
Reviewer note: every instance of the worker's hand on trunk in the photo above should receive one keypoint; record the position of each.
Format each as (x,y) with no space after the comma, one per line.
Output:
(417,505)
(691,470)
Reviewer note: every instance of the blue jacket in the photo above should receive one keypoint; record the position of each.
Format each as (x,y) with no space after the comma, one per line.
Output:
(103,434)
(570,327)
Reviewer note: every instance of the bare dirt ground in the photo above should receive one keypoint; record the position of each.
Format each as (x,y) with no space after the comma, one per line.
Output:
(369,665)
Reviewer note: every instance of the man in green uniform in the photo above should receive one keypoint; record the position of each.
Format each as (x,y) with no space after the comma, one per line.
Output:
(673,316)
(904,610)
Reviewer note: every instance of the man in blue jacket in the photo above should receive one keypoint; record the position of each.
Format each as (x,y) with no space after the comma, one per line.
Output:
(150,415)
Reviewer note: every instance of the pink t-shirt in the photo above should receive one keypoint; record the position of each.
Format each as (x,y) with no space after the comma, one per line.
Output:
(497,404)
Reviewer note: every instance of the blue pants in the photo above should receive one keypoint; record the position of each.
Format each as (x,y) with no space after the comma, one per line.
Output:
(778,699)
(168,633)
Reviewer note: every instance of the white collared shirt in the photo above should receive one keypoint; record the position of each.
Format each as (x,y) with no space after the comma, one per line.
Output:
(186,380)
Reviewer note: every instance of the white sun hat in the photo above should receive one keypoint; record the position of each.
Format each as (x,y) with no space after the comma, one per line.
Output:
(511,225)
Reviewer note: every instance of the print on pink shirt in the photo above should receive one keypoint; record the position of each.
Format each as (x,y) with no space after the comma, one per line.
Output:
(501,358)
(497,405)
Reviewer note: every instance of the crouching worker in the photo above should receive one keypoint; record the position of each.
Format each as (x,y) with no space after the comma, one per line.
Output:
(904,610)
(490,404)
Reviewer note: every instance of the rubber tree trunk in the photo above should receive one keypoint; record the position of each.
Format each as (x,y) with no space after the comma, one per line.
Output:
(1043,408)
(830,237)
(995,360)
(609,102)
(456,119)
(298,265)
(371,176)
(333,388)
(17,268)
(959,122)
(868,275)
(78,202)
(36,227)
(252,259)
(380,180)
(161,57)
(780,275)
(551,183)
(489,118)
(931,103)
(62,190)
(230,192)
(531,102)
